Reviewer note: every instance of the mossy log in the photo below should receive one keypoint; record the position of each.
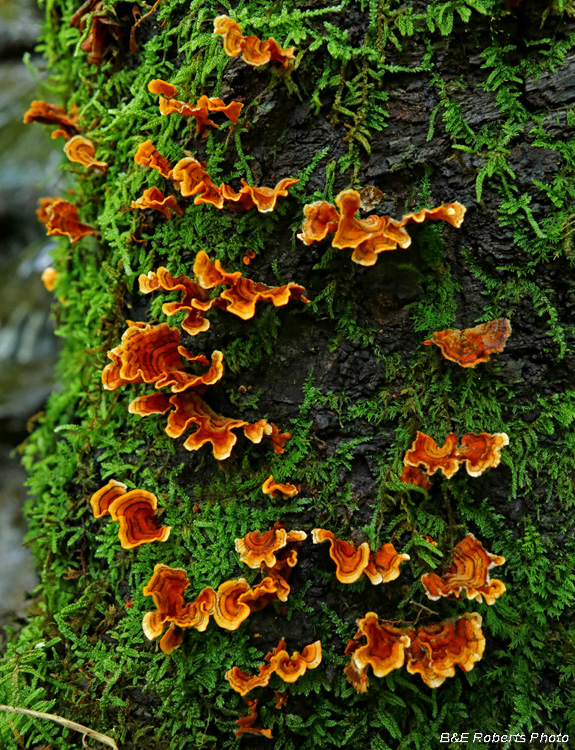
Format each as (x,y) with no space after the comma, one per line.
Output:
(429,103)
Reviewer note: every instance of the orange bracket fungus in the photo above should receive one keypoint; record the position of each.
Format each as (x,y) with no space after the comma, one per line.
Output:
(147,156)
(425,452)
(263,198)
(471,346)
(351,563)
(254,51)
(477,452)
(413,475)
(468,574)
(62,220)
(243,295)
(154,198)
(200,110)
(152,354)
(289,669)
(384,650)
(246,723)
(51,114)
(167,586)
(436,649)
(49,277)
(259,549)
(82,151)
(135,510)
(370,236)
(188,408)
(194,300)
(270,487)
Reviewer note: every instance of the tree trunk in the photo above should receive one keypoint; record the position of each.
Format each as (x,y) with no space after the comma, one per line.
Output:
(428,103)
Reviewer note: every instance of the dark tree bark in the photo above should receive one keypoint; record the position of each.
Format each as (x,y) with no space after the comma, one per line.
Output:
(429,103)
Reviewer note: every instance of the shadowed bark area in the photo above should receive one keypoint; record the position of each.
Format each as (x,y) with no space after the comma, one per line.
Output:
(429,103)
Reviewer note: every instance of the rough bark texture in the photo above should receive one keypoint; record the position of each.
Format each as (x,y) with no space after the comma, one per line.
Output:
(430,103)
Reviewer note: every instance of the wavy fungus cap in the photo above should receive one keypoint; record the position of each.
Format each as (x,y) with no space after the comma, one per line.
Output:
(153,354)
(481,452)
(62,220)
(472,346)
(246,723)
(136,512)
(425,452)
(147,156)
(468,575)
(383,565)
(82,151)
(102,498)
(435,650)
(384,650)
(52,114)
(254,51)
(154,198)
(350,562)
(270,487)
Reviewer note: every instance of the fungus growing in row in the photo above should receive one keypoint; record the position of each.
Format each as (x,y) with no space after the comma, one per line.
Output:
(200,110)
(477,452)
(188,408)
(147,156)
(154,198)
(254,51)
(468,575)
(289,669)
(52,114)
(384,651)
(381,566)
(82,151)
(152,354)
(370,236)
(471,346)
(194,300)
(62,220)
(135,510)
(243,295)
(270,487)
(49,277)
(167,586)
(436,649)
(248,196)
(246,723)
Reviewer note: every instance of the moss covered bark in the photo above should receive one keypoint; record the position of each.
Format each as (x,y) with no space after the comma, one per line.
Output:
(430,103)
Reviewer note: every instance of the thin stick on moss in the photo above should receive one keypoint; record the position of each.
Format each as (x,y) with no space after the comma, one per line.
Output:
(86,731)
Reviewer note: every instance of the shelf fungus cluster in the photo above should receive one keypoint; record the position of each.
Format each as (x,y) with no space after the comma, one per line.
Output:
(200,110)
(135,510)
(62,220)
(288,668)
(381,566)
(472,346)
(468,575)
(230,604)
(190,178)
(240,298)
(370,236)
(477,452)
(432,651)
(77,148)
(253,50)
(275,552)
